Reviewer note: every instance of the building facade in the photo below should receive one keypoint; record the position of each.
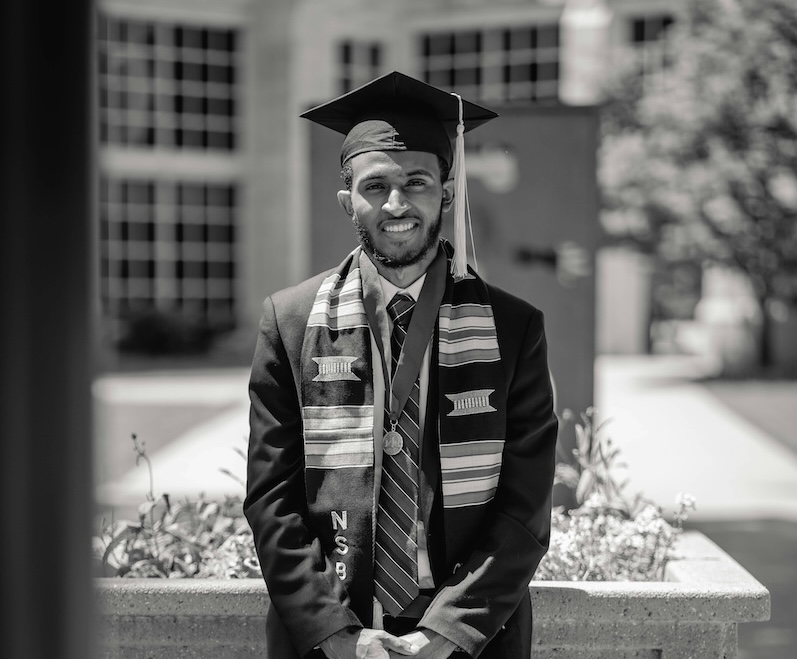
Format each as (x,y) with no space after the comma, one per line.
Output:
(202,208)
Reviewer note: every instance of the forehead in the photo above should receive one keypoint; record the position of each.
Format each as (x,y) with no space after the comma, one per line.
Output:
(394,163)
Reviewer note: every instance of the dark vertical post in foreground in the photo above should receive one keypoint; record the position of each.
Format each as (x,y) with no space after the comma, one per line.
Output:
(45,329)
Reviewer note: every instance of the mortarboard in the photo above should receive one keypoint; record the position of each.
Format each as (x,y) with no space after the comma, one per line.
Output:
(397,113)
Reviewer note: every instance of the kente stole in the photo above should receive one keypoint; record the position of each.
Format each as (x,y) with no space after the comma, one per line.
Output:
(337,401)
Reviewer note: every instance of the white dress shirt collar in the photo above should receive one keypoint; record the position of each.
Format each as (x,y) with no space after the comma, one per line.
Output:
(413,290)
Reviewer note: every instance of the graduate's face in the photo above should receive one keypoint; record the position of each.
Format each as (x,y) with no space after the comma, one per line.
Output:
(396,203)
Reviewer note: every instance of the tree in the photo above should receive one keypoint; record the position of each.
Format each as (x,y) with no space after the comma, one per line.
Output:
(700,162)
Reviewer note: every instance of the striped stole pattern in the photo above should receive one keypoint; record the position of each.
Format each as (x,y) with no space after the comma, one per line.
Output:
(472,407)
(470,471)
(338,433)
(338,436)
(339,303)
(467,335)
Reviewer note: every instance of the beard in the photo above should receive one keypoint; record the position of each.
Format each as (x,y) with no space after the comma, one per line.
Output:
(410,257)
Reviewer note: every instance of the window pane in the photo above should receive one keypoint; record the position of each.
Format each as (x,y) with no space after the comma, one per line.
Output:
(148,260)
(638,31)
(222,74)
(548,37)
(520,39)
(441,44)
(219,40)
(549,72)
(499,63)
(358,63)
(467,42)
(647,35)
(440,78)
(467,76)
(220,141)
(156,66)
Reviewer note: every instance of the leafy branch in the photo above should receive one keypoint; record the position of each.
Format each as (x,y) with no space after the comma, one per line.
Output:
(185,539)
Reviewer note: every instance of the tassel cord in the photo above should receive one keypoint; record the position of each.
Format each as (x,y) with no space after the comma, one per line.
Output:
(459,264)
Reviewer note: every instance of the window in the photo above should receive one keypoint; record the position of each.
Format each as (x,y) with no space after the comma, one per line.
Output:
(510,65)
(647,36)
(167,85)
(359,63)
(649,28)
(167,238)
(168,245)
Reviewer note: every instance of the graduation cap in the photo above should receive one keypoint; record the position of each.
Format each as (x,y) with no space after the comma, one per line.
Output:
(397,113)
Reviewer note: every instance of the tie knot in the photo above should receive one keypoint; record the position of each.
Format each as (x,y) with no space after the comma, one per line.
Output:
(400,309)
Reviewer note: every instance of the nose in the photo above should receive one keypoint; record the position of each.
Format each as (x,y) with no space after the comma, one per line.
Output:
(395,203)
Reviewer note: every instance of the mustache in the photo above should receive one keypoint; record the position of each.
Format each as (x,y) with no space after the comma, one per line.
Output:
(366,241)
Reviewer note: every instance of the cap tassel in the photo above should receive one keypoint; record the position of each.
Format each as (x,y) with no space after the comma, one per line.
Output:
(459,264)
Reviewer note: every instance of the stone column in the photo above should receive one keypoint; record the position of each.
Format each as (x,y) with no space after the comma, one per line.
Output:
(45,296)
(585,51)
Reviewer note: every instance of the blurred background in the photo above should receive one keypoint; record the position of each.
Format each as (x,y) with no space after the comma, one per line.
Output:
(640,187)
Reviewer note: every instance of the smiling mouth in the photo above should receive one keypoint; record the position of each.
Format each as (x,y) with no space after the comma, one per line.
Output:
(399,227)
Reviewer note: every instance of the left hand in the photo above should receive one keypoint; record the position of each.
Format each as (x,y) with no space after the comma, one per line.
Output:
(431,644)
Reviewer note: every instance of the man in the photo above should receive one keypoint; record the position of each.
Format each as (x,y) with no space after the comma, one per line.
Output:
(402,431)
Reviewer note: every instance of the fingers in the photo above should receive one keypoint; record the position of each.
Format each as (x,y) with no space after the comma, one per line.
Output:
(379,644)
(399,645)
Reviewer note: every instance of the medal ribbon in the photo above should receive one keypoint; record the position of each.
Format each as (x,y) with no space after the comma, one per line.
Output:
(420,331)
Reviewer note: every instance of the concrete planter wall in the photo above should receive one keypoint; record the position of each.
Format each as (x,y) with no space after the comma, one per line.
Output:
(693,614)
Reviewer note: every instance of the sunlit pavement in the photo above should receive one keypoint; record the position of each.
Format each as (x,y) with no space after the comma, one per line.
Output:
(192,424)
(677,431)
(674,433)
(682,433)
(677,436)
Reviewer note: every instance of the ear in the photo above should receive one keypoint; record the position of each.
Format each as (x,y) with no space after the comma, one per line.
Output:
(448,194)
(344,199)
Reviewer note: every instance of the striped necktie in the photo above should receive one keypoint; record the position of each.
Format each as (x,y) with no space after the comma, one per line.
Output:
(396,556)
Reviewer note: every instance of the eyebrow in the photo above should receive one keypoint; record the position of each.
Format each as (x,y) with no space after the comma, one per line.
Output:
(420,172)
(379,175)
(372,177)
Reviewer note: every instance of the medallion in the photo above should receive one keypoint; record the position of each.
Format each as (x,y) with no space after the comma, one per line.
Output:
(392,443)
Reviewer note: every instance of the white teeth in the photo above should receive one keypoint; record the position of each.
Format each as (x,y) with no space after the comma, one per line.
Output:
(395,228)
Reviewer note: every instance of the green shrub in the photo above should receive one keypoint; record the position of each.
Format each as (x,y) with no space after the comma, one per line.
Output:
(607,537)
(177,539)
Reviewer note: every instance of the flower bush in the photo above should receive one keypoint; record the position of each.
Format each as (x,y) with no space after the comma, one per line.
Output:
(189,539)
(608,536)
(177,539)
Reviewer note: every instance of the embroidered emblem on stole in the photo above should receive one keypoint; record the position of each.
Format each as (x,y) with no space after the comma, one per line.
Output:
(471,402)
(335,369)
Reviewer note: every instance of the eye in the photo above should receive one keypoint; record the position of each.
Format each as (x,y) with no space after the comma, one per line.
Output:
(374,187)
(416,182)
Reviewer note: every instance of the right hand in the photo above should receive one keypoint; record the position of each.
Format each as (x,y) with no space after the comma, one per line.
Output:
(360,643)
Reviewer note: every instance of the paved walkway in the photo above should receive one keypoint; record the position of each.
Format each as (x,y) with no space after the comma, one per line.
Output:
(187,445)
(679,437)
(681,433)
(674,433)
